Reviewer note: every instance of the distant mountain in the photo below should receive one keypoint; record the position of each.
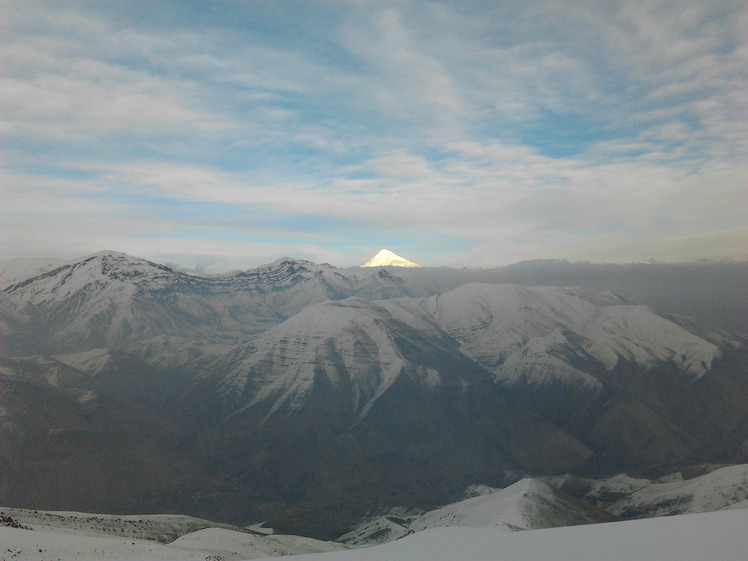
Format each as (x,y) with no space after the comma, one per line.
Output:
(386,258)
(607,371)
(502,326)
(172,319)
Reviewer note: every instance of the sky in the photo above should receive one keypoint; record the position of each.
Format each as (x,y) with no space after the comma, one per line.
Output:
(220,135)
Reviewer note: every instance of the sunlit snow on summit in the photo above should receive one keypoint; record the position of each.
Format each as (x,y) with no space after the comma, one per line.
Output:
(386,258)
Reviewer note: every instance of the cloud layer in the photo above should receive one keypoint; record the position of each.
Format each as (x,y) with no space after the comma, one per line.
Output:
(460,133)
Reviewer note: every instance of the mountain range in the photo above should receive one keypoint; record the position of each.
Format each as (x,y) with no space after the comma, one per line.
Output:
(311,396)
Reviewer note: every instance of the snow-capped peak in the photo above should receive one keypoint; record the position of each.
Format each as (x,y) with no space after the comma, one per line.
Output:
(386,258)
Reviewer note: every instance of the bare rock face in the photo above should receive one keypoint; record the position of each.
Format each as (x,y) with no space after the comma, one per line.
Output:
(65,446)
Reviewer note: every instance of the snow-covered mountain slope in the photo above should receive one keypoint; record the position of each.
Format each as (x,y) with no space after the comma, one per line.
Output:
(713,491)
(346,368)
(80,536)
(386,258)
(289,285)
(343,391)
(30,545)
(110,299)
(351,344)
(95,273)
(607,371)
(700,488)
(497,324)
(170,318)
(600,492)
(162,528)
(345,356)
(73,536)
(229,545)
(379,529)
(691,537)
(528,504)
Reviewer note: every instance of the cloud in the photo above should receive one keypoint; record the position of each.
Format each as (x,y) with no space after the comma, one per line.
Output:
(405,81)
(510,131)
(401,164)
(58,86)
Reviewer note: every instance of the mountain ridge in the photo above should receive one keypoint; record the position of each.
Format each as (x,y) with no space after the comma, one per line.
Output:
(110,299)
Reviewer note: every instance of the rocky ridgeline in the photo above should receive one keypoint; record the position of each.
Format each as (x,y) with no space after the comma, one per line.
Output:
(8,522)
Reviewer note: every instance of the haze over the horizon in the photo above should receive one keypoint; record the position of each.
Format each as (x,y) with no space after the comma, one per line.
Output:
(227,134)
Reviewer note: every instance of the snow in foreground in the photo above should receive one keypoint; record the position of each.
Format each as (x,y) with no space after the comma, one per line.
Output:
(693,537)
(68,536)
(718,536)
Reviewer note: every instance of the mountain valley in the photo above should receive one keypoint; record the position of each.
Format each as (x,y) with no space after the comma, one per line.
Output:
(313,397)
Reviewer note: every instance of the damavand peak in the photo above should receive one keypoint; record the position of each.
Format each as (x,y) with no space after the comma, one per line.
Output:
(386,258)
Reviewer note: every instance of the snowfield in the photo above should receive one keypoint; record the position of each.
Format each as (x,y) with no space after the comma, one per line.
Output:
(693,537)
(163,537)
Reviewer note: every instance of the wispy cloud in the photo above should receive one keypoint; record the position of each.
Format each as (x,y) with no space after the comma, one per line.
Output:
(468,133)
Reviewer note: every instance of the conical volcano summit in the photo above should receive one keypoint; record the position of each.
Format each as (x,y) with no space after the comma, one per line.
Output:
(386,258)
